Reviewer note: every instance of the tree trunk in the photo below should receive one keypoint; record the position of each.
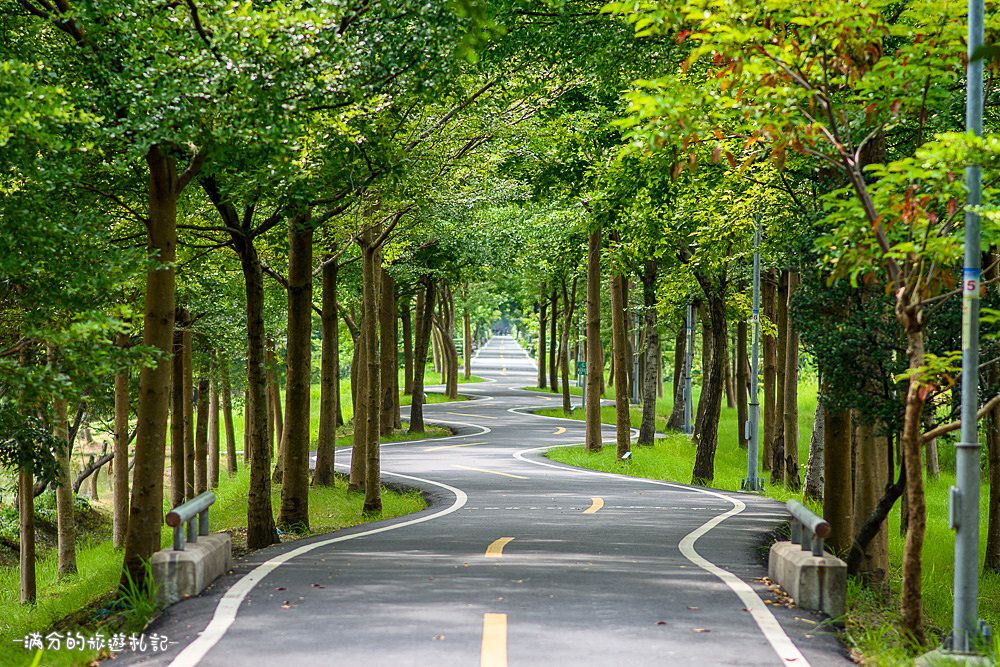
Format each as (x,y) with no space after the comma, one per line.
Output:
(543,307)
(742,383)
(372,393)
(553,358)
(26,532)
(387,348)
(595,355)
(120,466)
(359,383)
(814,466)
(404,316)
(931,449)
(704,463)
(569,299)
(467,343)
(647,430)
(397,420)
(707,363)
(676,420)
(778,444)
(294,511)
(451,386)
(910,603)
(619,350)
(188,400)
(730,383)
(247,412)
(838,481)
(791,442)
(65,524)
(227,414)
(146,505)
(260,518)
(770,350)
(93,482)
(213,434)
(992,560)
(356,372)
(276,424)
(629,329)
(425,311)
(177,419)
(326,441)
(201,440)
(871,477)
(437,353)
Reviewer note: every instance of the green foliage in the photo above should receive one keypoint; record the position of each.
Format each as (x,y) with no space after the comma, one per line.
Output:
(26,443)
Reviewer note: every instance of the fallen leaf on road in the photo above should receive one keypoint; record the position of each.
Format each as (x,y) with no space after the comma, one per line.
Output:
(286,605)
(661,622)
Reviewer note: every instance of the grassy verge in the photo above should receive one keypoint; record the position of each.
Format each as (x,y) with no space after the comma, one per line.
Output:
(870,626)
(84,602)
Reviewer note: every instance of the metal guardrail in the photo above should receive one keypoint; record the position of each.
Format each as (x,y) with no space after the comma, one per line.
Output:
(186,514)
(805,523)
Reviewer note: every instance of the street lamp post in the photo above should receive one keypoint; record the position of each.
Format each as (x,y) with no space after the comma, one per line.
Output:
(688,364)
(752,426)
(635,359)
(968,631)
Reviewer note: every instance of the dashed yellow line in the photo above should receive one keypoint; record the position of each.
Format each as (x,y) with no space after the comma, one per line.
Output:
(596,503)
(469,414)
(559,431)
(494,649)
(495,550)
(491,472)
(464,444)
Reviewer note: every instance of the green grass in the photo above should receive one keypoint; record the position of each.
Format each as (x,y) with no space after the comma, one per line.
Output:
(871,622)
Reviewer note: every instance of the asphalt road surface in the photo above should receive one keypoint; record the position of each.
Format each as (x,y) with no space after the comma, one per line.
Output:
(517,561)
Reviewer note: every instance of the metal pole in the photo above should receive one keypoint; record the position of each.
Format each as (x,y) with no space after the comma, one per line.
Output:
(635,360)
(688,365)
(965,495)
(752,481)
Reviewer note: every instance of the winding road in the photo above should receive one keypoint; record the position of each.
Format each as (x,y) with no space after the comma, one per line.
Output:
(518,560)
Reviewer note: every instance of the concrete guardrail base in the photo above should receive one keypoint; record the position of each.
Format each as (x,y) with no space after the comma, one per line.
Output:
(184,574)
(814,582)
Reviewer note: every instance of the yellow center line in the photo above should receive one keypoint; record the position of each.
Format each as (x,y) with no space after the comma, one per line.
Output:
(464,444)
(495,550)
(469,414)
(491,472)
(560,430)
(596,503)
(494,650)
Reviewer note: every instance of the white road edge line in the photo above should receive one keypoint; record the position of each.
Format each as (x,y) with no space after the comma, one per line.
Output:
(768,624)
(225,612)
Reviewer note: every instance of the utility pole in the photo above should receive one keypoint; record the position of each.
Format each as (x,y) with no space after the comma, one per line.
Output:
(752,426)
(968,631)
(688,365)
